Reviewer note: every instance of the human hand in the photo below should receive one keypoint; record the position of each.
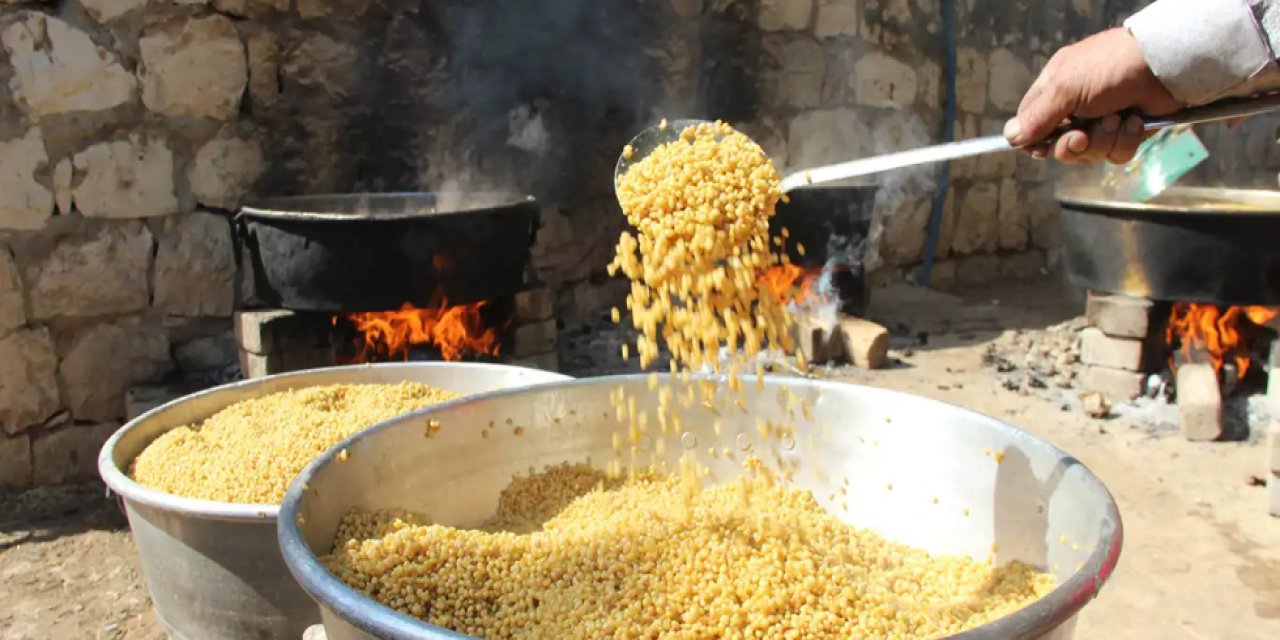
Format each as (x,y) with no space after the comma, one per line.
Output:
(1095,79)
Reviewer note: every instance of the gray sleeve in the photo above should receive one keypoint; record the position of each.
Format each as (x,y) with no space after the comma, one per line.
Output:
(1208,49)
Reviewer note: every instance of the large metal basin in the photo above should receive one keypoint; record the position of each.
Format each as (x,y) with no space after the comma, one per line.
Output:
(1029,503)
(214,569)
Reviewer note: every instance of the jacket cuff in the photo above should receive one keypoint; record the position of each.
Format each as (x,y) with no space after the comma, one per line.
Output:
(1203,50)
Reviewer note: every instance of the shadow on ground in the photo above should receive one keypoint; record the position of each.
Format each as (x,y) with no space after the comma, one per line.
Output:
(49,513)
(925,320)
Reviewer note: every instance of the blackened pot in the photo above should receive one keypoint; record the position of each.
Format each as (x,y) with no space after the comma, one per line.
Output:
(375,252)
(1205,245)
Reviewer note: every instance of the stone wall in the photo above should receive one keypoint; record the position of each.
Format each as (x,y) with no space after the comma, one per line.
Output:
(855,79)
(124,145)
(130,131)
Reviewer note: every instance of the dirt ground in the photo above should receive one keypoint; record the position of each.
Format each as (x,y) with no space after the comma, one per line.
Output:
(1201,558)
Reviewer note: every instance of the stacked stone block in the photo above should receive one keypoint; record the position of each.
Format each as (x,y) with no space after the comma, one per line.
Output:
(279,341)
(1114,347)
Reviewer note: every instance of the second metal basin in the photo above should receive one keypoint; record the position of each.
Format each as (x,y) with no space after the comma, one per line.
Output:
(214,569)
(960,483)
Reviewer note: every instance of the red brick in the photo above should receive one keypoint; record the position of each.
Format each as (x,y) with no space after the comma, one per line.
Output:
(1097,348)
(1116,384)
(1199,402)
(1119,316)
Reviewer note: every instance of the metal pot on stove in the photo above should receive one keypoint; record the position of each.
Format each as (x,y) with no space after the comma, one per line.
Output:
(377,251)
(1190,244)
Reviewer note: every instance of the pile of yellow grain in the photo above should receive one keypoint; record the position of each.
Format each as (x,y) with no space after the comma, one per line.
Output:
(249,452)
(700,207)
(632,559)
(631,553)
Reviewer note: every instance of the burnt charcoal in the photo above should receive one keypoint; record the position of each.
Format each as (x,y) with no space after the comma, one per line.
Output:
(1000,363)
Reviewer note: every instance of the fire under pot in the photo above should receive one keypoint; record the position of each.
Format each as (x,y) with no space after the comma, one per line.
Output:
(343,279)
(1184,299)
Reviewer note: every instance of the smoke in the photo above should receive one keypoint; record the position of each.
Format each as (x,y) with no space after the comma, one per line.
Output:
(901,202)
(903,130)
(539,97)
(822,306)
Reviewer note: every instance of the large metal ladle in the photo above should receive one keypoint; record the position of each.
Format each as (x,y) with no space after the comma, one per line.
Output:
(653,137)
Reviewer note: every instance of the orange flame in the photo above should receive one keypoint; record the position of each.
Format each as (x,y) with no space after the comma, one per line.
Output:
(454,331)
(791,283)
(1221,335)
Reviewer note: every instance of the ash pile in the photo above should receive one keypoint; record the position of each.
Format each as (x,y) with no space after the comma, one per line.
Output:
(1201,403)
(1028,361)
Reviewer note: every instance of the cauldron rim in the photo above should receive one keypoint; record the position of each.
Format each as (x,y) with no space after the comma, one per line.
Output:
(354,207)
(1214,201)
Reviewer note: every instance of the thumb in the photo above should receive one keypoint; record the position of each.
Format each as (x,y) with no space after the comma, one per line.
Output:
(1040,113)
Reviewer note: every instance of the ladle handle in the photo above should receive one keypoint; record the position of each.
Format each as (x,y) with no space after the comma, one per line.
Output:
(1227,109)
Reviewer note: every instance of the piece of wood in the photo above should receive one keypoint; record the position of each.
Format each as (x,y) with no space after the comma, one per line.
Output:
(815,341)
(864,343)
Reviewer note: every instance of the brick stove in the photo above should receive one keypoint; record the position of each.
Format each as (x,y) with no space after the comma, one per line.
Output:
(331,280)
(1129,349)
(1200,267)
(275,341)
(1126,352)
